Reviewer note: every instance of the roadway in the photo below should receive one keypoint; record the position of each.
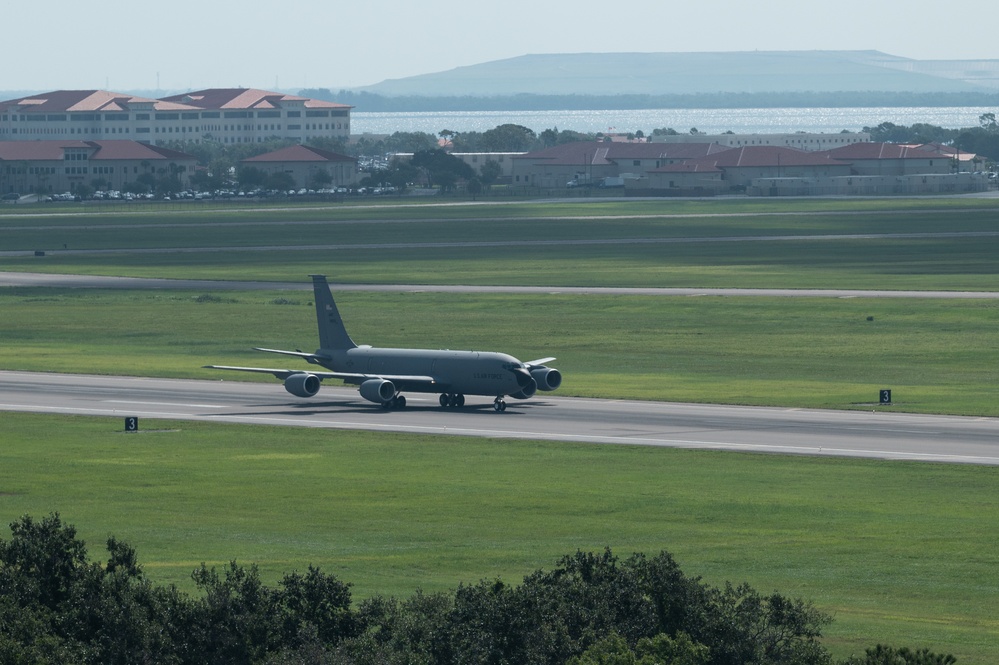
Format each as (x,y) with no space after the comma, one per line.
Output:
(875,432)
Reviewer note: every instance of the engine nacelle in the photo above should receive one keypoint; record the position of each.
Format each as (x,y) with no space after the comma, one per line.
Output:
(547,378)
(527,391)
(377,390)
(302,385)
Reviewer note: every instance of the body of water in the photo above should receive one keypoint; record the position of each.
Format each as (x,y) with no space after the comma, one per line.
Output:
(709,121)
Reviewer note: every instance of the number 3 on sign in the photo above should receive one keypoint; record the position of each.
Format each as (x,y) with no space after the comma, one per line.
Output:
(131,424)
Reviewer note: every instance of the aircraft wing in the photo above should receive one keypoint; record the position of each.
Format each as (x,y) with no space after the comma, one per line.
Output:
(311,357)
(347,377)
(539,362)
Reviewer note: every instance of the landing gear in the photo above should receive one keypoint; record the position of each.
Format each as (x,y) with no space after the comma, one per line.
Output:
(499,405)
(452,400)
(397,402)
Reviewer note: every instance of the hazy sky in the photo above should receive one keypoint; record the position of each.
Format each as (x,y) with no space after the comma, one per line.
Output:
(291,44)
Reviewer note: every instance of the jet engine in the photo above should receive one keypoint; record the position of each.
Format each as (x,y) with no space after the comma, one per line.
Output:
(526,392)
(302,385)
(377,390)
(547,378)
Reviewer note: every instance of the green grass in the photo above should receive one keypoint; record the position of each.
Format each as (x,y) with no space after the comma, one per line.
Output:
(903,553)
(897,552)
(649,244)
(939,356)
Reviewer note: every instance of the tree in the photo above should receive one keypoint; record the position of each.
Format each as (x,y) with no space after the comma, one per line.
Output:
(279,181)
(490,172)
(886,655)
(474,186)
(508,138)
(679,650)
(250,177)
(320,178)
(611,650)
(442,169)
(592,608)
(448,136)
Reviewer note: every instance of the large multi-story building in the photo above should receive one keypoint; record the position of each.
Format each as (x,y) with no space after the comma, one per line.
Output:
(47,167)
(227,115)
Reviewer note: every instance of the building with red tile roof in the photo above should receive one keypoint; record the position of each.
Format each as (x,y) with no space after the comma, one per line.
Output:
(892,159)
(47,167)
(697,169)
(226,115)
(591,161)
(308,166)
(740,166)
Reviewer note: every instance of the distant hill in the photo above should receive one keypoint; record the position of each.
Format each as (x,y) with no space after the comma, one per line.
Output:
(751,72)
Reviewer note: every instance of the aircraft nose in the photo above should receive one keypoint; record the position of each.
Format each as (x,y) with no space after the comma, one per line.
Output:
(524,377)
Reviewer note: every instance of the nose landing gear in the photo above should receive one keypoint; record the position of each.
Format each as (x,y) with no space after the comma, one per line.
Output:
(499,405)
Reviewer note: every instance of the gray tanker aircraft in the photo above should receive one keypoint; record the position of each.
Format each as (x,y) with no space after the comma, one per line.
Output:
(382,374)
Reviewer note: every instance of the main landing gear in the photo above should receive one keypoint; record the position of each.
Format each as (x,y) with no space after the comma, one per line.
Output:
(452,400)
(397,402)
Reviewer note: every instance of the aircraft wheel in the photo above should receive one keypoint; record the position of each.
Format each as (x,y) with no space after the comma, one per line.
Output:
(499,405)
(388,405)
(400,402)
(444,400)
(459,400)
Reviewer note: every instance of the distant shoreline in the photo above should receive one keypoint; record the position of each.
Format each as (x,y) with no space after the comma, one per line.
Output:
(372,103)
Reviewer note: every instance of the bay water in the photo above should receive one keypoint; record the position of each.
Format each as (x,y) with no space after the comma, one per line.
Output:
(709,121)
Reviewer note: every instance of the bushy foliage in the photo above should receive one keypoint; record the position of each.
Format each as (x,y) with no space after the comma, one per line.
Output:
(591,608)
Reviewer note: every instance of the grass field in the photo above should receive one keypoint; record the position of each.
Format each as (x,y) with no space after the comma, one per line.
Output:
(900,553)
(939,357)
(897,552)
(622,244)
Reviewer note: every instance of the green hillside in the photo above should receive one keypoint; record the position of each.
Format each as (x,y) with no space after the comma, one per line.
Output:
(682,73)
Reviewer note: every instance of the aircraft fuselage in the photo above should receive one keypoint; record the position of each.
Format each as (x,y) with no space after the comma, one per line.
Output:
(468,372)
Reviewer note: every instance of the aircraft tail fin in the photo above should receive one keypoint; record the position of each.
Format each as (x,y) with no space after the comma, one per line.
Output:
(332,333)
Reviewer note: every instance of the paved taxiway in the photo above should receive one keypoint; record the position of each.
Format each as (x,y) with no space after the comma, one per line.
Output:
(874,433)
(24,279)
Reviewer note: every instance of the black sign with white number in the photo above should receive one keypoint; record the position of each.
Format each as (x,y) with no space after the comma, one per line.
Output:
(131,424)
(886,396)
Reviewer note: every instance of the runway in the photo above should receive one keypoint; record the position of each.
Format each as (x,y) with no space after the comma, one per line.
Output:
(875,433)
(51,280)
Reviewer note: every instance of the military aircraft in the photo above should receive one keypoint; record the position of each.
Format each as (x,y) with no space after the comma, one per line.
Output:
(382,374)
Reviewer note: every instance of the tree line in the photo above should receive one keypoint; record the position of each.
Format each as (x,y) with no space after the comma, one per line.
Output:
(57,606)
(982,140)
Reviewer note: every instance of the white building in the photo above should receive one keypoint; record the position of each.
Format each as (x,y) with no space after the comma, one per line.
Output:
(798,140)
(226,115)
